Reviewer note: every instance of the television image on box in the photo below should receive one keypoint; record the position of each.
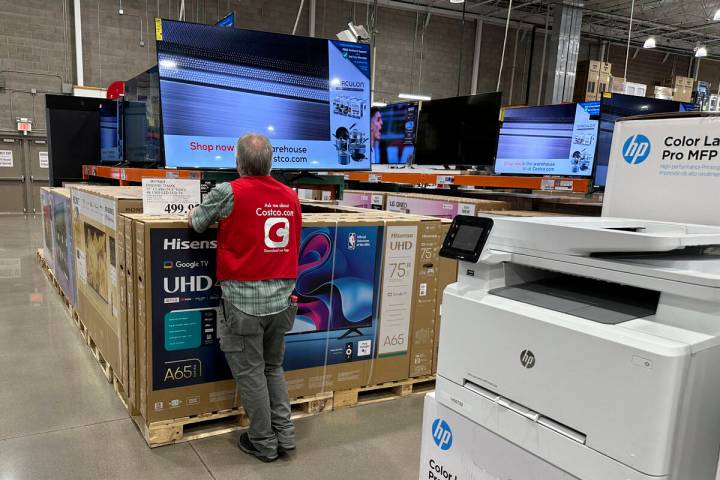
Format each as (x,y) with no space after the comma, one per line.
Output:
(549,140)
(96,260)
(47,223)
(615,106)
(460,131)
(63,246)
(397,125)
(111,131)
(309,96)
(337,280)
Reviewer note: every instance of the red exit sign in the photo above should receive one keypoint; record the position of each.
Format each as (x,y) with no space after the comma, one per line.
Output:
(24,126)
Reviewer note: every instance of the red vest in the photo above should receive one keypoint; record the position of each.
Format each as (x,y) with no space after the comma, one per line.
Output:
(260,240)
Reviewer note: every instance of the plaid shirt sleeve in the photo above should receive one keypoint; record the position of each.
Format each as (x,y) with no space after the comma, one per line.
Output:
(217,205)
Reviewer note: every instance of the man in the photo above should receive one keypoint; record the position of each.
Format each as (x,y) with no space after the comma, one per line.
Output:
(376,124)
(257,259)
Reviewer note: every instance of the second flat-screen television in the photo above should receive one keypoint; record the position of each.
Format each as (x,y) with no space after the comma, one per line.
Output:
(392,133)
(549,140)
(460,131)
(111,132)
(310,96)
(615,106)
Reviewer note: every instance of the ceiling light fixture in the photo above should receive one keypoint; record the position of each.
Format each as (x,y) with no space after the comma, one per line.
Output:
(701,52)
(457,1)
(650,43)
(412,96)
(716,17)
(379,104)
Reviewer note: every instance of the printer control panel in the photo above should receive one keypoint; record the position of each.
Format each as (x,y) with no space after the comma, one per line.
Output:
(466,238)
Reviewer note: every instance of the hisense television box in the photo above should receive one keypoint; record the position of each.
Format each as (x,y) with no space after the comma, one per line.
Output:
(355,289)
(62,242)
(96,211)
(47,220)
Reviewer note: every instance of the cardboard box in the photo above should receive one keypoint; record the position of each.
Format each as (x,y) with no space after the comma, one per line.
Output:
(682,94)
(425,307)
(617,85)
(592,80)
(363,199)
(448,272)
(96,212)
(63,249)
(47,221)
(441,206)
(353,326)
(664,93)
(637,89)
(454,448)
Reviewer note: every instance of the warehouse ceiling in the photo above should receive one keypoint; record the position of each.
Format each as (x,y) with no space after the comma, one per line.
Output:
(678,26)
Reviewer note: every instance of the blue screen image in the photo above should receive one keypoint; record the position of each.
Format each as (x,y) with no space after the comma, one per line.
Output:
(549,140)
(309,96)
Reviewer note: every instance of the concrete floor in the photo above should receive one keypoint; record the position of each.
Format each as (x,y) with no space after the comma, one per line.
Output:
(60,418)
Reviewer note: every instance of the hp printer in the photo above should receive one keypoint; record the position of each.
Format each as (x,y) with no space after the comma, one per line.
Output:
(592,343)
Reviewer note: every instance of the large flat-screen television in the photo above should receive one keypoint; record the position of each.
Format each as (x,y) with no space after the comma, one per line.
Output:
(549,140)
(141,119)
(309,96)
(460,131)
(392,133)
(615,106)
(111,132)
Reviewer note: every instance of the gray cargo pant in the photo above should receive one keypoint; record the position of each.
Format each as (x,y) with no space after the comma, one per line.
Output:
(254,348)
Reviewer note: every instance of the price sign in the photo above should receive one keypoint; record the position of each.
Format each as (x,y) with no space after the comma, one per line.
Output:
(374,178)
(444,180)
(174,196)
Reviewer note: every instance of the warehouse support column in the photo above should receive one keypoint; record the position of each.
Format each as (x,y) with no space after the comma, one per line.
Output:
(564,47)
(78,44)
(313,10)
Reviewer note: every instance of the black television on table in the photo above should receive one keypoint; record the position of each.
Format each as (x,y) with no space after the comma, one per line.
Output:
(614,106)
(461,131)
(549,140)
(397,124)
(310,96)
(111,132)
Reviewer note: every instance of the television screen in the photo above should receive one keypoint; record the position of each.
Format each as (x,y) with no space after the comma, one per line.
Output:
(459,130)
(392,133)
(111,131)
(309,96)
(227,21)
(615,106)
(549,140)
(141,119)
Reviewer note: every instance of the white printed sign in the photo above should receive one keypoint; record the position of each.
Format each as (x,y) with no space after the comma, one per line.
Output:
(665,169)
(397,290)
(175,196)
(43,158)
(6,158)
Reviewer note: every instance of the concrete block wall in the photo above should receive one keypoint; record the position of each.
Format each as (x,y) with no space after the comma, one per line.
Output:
(37,48)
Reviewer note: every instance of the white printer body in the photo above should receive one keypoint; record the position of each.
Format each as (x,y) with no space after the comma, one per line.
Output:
(593,343)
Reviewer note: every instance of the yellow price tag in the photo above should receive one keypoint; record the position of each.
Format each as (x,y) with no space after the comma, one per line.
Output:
(158,30)
(607,94)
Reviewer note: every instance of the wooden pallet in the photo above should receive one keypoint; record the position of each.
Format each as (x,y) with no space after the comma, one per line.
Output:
(383,392)
(197,427)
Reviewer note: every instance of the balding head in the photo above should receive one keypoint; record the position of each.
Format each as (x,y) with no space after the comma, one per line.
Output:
(254,155)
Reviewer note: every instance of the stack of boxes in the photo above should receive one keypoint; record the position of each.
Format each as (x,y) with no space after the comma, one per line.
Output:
(58,248)
(682,88)
(363,199)
(593,78)
(368,287)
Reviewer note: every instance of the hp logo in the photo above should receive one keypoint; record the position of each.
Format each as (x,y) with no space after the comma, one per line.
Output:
(636,149)
(442,435)
(527,359)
